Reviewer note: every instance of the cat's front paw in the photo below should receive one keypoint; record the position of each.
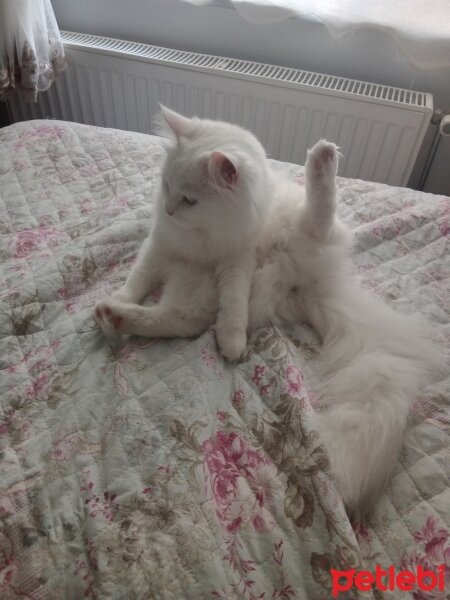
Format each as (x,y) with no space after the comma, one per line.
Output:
(232,344)
(322,162)
(109,317)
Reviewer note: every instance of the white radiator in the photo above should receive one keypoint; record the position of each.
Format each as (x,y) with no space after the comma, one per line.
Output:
(113,83)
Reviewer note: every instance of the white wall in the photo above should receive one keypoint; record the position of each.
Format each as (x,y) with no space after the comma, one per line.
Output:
(367,55)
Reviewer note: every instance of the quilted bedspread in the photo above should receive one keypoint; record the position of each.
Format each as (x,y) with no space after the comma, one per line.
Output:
(148,469)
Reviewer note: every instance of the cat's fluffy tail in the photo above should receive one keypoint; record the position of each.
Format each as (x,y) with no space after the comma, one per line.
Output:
(374,362)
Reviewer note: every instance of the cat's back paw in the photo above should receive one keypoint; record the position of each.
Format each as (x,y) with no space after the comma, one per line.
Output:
(322,161)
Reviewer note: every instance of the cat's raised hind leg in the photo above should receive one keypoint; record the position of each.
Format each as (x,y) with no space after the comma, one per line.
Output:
(320,183)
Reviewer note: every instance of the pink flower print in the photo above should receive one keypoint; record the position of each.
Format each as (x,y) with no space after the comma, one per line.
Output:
(103,503)
(366,268)
(258,374)
(21,165)
(377,231)
(294,387)
(66,446)
(364,537)
(413,560)
(60,452)
(122,202)
(165,470)
(240,482)
(52,132)
(293,381)
(265,389)
(438,551)
(435,552)
(86,206)
(7,577)
(221,415)
(436,548)
(6,506)
(361,531)
(238,399)
(411,563)
(444,226)
(62,212)
(26,242)
(18,429)
(43,132)
(428,533)
(39,388)
(83,569)
(41,357)
(25,430)
(208,357)
(444,219)
(51,234)
(117,207)
(45,220)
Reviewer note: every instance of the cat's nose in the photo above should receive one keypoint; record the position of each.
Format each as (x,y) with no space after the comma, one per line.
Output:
(170,211)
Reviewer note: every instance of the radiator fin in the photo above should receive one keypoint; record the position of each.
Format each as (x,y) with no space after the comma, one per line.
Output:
(243,67)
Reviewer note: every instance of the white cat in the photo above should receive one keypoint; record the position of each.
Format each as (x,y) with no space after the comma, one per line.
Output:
(238,245)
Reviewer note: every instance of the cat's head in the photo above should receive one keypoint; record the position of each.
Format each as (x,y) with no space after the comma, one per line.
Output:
(214,175)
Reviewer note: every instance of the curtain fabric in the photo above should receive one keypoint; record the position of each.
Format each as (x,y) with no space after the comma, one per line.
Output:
(420,28)
(31,49)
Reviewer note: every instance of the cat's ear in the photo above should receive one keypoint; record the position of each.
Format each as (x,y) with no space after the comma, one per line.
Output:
(177,124)
(222,170)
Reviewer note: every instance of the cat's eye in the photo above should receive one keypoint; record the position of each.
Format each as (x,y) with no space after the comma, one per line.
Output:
(190,201)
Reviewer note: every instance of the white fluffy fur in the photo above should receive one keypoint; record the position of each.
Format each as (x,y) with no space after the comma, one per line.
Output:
(257,248)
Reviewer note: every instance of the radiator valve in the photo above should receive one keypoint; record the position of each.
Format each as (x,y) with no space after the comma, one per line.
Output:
(444,125)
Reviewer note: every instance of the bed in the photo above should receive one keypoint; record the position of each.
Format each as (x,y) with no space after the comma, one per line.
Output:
(140,469)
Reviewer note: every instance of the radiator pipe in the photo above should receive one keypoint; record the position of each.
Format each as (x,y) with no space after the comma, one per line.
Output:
(441,120)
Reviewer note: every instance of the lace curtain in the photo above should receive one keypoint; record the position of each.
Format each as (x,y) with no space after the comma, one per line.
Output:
(420,28)
(31,50)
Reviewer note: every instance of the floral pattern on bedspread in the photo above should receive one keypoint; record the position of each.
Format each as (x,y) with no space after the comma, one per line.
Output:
(147,469)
